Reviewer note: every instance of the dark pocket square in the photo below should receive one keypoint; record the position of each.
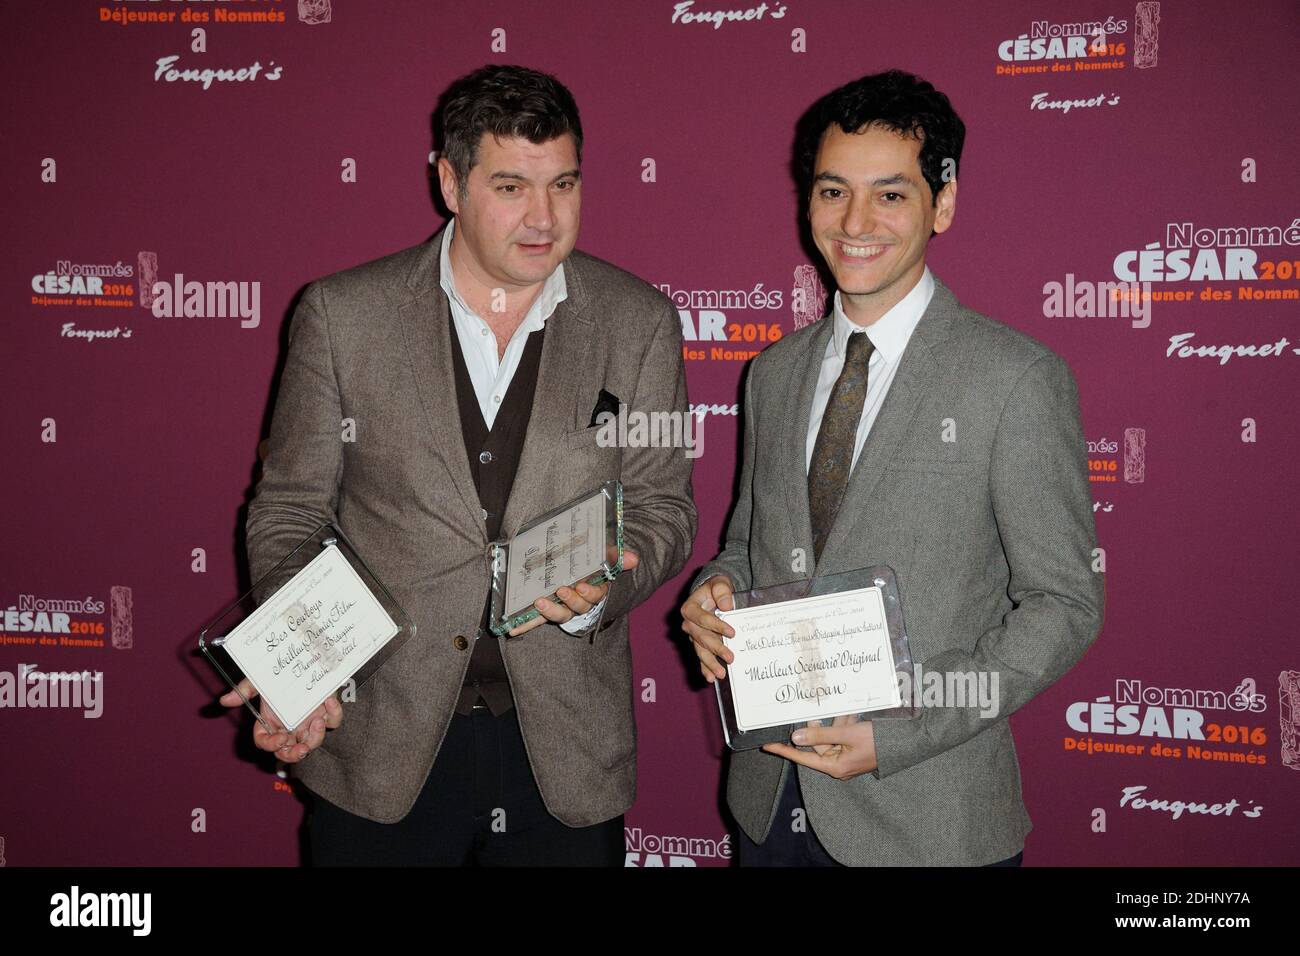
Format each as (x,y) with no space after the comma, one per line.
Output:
(605,402)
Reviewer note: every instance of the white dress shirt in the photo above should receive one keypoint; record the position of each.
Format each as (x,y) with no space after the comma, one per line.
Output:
(491,375)
(889,334)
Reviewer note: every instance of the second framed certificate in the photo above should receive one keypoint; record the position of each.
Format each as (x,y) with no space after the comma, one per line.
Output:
(814,650)
(578,541)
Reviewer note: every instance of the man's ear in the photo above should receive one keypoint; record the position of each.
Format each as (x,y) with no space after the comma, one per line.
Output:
(449,185)
(945,206)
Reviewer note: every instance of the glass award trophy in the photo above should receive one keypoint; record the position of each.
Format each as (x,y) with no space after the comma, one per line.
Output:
(576,542)
(317,620)
(829,649)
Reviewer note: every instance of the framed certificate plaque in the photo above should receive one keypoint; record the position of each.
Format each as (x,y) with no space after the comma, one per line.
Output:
(581,540)
(814,650)
(317,620)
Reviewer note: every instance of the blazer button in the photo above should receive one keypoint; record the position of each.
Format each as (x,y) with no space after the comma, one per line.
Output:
(460,642)
(485,456)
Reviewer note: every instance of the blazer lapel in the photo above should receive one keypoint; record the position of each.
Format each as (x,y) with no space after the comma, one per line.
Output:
(426,319)
(568,360)
(917,371)
(794,437)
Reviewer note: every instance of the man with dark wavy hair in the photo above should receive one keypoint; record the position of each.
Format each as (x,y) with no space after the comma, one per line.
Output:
(474,366)
(923,436)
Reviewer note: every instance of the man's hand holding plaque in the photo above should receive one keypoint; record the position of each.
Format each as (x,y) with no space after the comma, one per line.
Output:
(579,599)
(288,746)
(705,629)
(845,749)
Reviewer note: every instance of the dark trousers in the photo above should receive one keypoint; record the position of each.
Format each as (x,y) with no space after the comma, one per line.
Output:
(786,847)
(479,807)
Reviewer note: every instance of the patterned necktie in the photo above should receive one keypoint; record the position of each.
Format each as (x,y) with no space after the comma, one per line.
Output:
(832,458)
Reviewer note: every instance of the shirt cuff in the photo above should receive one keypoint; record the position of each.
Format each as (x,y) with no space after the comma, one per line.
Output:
(581,622)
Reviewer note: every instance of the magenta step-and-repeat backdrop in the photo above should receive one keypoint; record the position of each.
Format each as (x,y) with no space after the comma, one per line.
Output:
(265,143)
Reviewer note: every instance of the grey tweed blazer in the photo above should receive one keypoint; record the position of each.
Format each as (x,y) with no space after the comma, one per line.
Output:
(371,344)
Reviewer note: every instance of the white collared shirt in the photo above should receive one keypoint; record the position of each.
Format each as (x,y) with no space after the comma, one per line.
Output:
(491,376)
(889,334)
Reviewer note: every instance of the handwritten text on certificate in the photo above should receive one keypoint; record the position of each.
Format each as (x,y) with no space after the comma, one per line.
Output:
(558,552)
(811,658)
(309,637)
